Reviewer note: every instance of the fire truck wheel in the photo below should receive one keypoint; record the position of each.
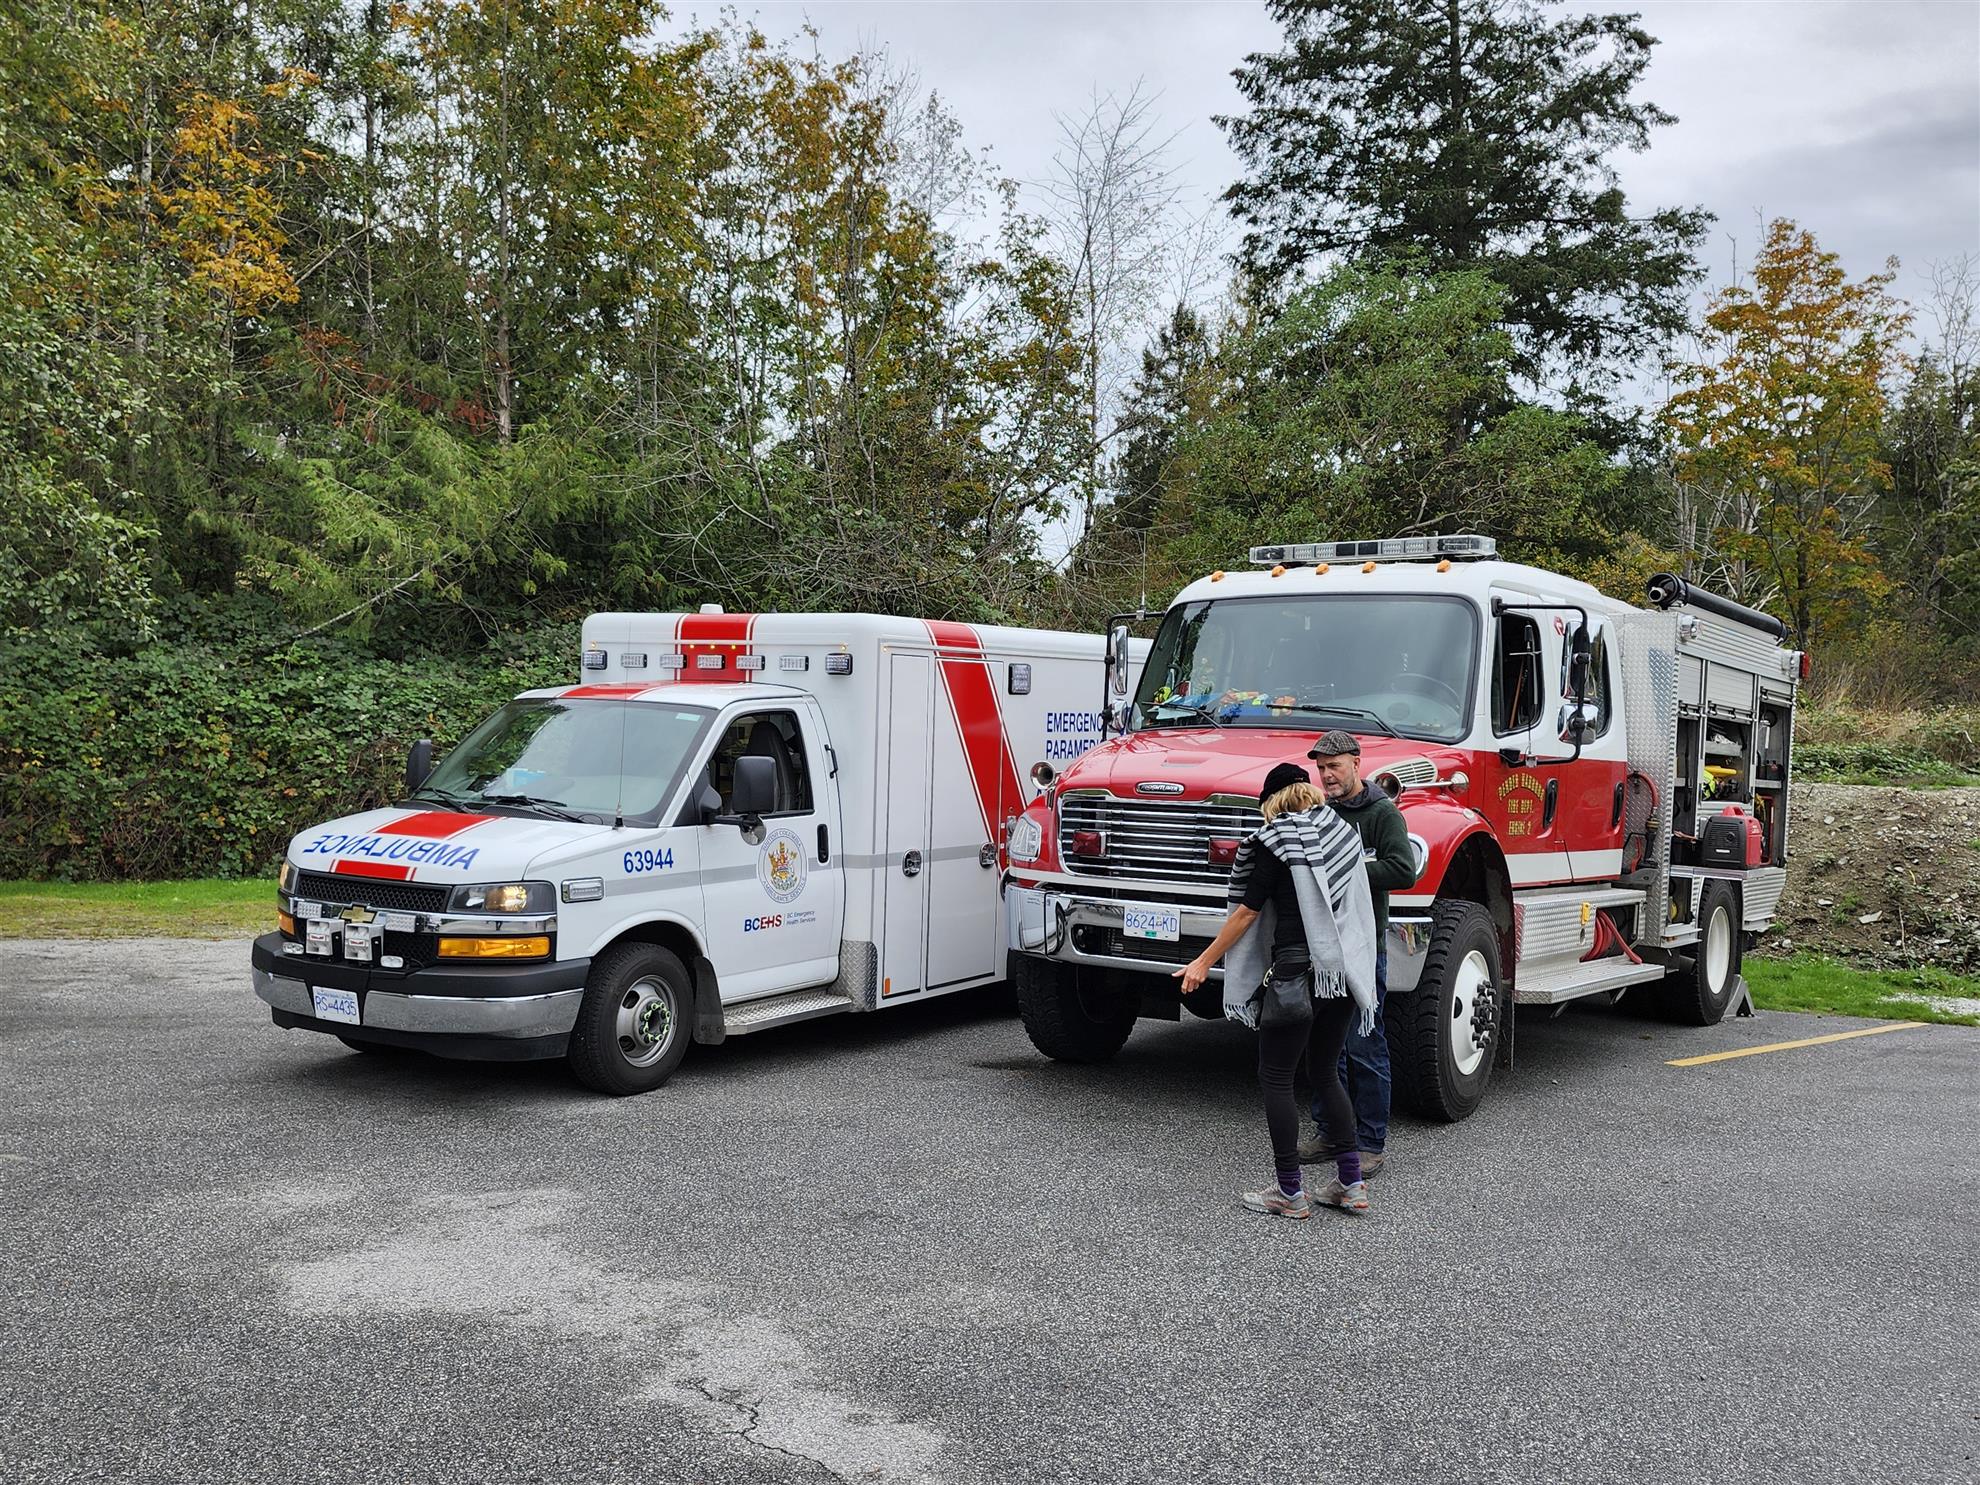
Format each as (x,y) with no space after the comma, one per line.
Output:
(635,1022)
(1066,1021)
(1442,1034)
(1700,989)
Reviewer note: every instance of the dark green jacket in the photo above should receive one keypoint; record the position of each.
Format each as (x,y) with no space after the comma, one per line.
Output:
(1375,815)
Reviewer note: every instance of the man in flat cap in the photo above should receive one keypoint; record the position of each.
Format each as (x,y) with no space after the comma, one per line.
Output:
(1391,866)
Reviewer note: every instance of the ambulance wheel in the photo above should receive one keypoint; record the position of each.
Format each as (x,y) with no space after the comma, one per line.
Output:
(1701,988)
(635,1022)
(1442,1035)
(1066,1021)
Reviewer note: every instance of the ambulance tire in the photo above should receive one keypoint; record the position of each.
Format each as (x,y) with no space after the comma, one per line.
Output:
(635,1022)
(1061,1020)
(1700,990)
(1458,998)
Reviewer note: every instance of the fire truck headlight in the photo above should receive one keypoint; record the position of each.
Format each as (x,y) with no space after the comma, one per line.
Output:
(1027,842)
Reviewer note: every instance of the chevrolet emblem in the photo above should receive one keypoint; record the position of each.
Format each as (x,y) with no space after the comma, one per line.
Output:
(357,913)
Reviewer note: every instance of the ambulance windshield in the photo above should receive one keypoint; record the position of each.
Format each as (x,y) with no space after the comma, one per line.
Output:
(589,759)
(1398,664)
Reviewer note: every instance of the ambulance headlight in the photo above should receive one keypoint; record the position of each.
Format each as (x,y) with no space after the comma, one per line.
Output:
(286,877)
(505,897)
(1027,840)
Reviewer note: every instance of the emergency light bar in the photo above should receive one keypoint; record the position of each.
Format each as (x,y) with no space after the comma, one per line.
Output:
(1390,549)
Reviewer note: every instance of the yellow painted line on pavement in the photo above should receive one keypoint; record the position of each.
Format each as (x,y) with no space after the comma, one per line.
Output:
(1807,1041)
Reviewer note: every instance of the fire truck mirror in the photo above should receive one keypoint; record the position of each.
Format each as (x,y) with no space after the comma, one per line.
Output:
(1580,659)
(1117,659)
(1579,720)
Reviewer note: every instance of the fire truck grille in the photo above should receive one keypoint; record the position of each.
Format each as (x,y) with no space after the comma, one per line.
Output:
(392,897)
(1109,943)
(1153,841)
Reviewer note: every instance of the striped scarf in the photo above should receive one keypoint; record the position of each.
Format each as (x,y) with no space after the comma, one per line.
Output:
(1317,838)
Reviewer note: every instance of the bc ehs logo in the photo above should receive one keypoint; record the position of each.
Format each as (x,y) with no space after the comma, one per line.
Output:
(780,866)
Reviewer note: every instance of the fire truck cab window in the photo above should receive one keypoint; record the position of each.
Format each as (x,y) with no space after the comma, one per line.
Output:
(1380,663)
(1516,694)
(772,735)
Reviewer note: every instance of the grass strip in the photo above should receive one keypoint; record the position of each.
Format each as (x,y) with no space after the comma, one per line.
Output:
(1825,986)
(211,907)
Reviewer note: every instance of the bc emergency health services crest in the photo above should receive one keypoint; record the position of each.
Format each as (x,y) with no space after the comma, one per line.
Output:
(780,866)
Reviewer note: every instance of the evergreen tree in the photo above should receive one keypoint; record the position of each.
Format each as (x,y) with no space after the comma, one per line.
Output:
(1479,134)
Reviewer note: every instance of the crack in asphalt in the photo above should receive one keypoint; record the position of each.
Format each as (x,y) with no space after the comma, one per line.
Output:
(734,1400)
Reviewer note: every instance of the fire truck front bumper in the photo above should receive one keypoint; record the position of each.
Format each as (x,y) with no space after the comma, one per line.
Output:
(1080,929)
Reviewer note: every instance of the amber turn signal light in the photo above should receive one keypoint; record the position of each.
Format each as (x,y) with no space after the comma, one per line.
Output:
(509,946)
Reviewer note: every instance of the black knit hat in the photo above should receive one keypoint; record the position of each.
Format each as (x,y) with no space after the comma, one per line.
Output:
(1282,776)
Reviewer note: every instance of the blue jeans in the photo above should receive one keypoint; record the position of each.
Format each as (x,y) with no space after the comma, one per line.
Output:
(1365,1070)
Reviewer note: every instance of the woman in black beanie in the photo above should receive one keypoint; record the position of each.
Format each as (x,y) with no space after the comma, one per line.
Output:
(1281,1045)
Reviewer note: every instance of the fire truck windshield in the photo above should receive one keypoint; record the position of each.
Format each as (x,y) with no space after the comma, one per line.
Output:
(1401,664)
(592,759)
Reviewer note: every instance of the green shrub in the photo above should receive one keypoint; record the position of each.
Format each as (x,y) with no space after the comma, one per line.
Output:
(201,758)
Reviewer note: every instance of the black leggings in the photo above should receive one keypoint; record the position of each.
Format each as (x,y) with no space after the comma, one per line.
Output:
(1279,1051)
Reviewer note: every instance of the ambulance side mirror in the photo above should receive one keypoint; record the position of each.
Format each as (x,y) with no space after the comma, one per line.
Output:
(419,764)
(1117,659)
(755,793)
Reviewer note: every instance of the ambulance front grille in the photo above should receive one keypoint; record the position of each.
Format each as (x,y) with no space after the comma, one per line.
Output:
(392,897)
(1153,840)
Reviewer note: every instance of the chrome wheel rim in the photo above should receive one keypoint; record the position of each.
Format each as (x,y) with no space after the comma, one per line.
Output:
(1718,950)
(1473,982)
(646,1024)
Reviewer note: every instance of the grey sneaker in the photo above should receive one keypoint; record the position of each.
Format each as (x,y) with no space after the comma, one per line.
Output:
(1347,1198)
(1273,1202)
(1371,1162)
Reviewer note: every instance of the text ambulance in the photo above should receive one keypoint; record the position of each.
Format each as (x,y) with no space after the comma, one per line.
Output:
(735,822)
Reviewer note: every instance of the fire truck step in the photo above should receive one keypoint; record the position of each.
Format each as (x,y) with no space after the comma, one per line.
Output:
(782,1010)
(1557,983)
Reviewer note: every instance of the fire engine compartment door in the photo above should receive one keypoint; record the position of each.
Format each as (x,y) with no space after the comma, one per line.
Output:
(906,779)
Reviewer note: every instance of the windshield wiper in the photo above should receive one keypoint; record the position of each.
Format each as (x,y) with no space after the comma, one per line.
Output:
(1339,711)
(555,808)
(444,796)
(1188,706)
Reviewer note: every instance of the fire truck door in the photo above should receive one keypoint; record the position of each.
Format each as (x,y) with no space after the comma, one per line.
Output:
(904,803)
(1523,801)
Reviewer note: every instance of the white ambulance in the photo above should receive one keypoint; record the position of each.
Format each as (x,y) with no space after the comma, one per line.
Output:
(734,822)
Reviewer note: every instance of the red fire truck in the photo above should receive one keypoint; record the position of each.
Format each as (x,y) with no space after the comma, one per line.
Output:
(1596,795)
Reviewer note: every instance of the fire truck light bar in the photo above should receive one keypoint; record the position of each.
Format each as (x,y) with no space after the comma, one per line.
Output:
(1390,549)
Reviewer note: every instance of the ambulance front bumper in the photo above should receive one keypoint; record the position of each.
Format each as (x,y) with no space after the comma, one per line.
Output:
(495,1012)
(1056,924)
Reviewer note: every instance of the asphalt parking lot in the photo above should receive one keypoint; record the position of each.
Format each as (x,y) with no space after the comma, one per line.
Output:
(906,1248)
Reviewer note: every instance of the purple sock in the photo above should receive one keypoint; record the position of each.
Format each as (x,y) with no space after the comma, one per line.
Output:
(1348,1167)
(1289,1181)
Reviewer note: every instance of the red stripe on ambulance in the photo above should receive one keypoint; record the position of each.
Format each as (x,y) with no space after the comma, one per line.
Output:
(432,824)
(610,689)
(972,694)
(344,867)
(723,635)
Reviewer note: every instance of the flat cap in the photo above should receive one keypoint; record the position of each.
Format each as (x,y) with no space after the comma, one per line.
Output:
(1333,744)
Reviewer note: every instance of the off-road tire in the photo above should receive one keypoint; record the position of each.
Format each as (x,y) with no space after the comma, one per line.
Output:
(1059,1012)
(1459,991)
(629,978)
(1699,991)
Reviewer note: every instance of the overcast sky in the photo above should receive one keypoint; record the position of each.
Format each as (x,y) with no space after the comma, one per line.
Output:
(1858,118)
